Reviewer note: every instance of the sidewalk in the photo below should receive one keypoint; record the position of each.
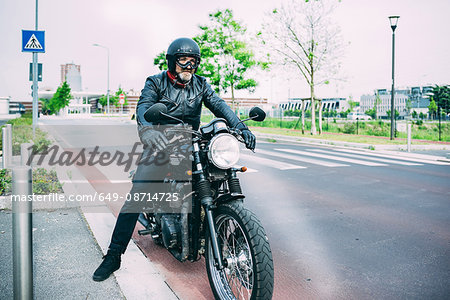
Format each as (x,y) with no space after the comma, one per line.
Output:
(68,244)
(65,255)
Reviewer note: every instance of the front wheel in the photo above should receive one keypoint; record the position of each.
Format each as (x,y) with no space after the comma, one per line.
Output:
(248,265)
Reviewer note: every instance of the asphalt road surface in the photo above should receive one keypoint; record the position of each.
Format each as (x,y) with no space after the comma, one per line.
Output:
(342,224)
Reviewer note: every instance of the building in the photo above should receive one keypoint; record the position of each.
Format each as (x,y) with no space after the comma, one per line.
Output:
(420,99)
(72,74)
(331,104)
(405,101)
(246,102)
(26,104)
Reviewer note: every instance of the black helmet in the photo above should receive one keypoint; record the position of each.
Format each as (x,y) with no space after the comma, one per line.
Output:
(182,47)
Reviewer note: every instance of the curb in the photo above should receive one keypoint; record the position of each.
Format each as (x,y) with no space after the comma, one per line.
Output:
(151,283)
(311,141)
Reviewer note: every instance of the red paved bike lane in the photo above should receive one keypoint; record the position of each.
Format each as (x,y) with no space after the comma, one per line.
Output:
(188,280)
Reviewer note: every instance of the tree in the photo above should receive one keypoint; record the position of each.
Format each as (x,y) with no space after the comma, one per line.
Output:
(45,106)
(432,108)
(160,61)
(343,114)
(414,114)
(397,114)
(408,106)
(372,113)
(302,36)
(352,104)
(113,99)
(226,56)
(377,102)
(103,101)
(117,94)
(441,96)
(59,100)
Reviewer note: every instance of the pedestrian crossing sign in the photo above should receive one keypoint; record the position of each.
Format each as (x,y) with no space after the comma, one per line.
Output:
(33,41)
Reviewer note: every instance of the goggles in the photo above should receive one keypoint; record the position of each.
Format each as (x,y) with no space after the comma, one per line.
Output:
(186,62)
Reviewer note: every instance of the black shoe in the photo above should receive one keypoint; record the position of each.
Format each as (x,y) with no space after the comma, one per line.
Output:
(110,263)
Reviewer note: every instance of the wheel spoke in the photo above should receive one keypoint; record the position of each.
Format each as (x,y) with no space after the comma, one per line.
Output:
(237,278)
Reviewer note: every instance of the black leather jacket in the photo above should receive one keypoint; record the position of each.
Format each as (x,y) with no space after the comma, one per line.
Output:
(184,103)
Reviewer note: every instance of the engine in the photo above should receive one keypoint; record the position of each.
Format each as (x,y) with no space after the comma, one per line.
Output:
(171,230)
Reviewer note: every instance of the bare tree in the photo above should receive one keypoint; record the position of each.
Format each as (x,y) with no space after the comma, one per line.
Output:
(302,36)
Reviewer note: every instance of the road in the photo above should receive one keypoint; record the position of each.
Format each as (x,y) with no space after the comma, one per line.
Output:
(342,224)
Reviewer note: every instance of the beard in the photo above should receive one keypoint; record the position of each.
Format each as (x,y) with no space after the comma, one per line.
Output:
(185,76)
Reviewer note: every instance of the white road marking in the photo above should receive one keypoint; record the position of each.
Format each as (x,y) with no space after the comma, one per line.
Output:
(350,160)
(371,158)
(302,159)
(270,162)
(396,157)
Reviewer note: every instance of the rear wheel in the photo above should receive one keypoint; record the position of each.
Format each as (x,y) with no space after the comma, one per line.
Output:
(248,271)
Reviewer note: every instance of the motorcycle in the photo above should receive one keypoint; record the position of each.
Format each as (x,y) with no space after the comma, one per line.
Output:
(215,224)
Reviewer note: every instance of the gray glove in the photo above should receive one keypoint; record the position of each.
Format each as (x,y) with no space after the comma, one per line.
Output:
(154,138)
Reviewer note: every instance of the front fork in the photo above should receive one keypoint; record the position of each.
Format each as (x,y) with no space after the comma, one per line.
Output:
(205,196)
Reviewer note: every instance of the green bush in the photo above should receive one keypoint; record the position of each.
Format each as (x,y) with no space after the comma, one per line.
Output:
(292,113)
(5,181)
(44,182)
(276,123)
(377,130)
(349,128)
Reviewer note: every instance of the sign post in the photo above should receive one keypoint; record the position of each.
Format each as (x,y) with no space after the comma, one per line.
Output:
(121,101)
(34,41)
(39,72)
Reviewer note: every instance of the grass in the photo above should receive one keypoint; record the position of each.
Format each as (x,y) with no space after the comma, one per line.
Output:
(44,182)
(351,138)
(22,132)
(372,132)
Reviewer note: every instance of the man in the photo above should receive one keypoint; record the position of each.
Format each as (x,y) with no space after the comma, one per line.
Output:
(183,93)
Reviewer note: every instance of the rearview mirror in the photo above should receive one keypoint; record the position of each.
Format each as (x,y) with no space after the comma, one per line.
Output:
(257,114)
(154,113)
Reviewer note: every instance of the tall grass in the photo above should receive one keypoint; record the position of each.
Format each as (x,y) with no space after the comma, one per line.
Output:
(22,132)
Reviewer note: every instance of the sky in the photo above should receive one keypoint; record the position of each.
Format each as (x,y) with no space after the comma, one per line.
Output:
(135,31)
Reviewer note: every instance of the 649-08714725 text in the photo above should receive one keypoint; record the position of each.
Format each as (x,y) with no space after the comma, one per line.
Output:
(103,197)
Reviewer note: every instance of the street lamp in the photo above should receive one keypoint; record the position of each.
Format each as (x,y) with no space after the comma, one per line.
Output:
(393,20)
(107,93)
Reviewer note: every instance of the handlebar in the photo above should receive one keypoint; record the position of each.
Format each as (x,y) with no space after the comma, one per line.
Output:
(181,129)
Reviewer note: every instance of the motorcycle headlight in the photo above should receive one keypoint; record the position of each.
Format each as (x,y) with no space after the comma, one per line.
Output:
(224,151)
